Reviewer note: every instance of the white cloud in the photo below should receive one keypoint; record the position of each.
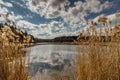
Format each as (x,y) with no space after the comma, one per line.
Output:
(11,16)
(3,11)
(47,8)
(74,15)
(28,16)
(8,4)
(50,30)
(14,17)
(18,3)
(25,24)
(81,9)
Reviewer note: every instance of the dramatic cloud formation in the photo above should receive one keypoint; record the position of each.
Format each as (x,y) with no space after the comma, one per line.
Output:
(52,18)
(73,15)
(51,30)
(47,8)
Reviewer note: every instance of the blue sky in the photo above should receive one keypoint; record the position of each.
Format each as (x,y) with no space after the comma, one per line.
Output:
(52,18)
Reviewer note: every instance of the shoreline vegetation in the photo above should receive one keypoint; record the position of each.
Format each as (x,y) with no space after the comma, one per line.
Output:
(99,60)
(12,63)
(12,55)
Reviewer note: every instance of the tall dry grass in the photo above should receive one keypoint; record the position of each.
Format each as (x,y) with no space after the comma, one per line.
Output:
(12,63)
(99,59)
(99,62)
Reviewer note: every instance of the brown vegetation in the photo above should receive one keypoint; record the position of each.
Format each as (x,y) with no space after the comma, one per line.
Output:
(96,62)
(12,63)
(100,58)
(9,34)
(12,60)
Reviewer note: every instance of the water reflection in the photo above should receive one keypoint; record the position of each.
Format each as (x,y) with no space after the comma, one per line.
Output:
(45,59)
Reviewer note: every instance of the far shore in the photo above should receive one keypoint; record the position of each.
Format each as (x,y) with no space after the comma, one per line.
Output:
(66,43)
(48,43)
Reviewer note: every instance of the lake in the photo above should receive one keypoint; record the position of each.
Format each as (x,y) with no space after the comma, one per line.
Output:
(52,62)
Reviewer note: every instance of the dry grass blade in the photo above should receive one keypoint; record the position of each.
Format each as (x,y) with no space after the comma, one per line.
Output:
(100,59)
(12,64)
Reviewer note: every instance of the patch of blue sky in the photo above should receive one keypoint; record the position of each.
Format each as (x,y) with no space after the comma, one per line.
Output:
(113,9)
(32,18)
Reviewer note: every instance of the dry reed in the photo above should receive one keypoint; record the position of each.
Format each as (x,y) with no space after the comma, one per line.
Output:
(12,64)
(100,59)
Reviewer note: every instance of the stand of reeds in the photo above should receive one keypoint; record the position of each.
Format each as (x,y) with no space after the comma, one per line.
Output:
(12,63)
(100,58)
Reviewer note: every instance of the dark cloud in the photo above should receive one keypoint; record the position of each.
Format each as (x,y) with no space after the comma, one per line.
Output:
(75,12)
(55,3)
(36,2)
(53,14)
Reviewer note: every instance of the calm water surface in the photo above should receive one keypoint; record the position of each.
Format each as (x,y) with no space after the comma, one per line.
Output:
(51,62)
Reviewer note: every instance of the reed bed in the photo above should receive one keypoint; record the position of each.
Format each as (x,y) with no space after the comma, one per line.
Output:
(12,63)
(99,63)
(100,58)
